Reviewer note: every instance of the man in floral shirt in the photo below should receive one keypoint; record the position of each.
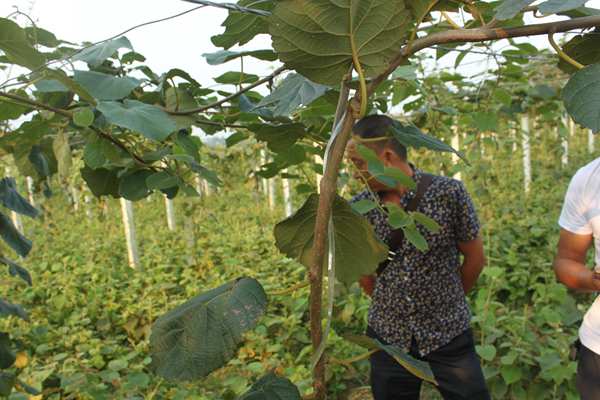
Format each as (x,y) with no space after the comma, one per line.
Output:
(419,300)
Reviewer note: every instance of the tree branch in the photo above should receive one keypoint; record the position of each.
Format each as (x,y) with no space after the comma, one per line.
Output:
(36,104)
(230,97)
(481,35)
(68,114)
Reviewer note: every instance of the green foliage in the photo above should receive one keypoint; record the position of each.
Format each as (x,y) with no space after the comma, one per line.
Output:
(320,38)
(581,95)
(16,47)
(510,8)
(411,136)
(357,249)
(294,91)
(240,28)
(556,6)
(149,120)
(97,54)
(223,56)
(104,86)
(272,387)
(203,334)
(582,48)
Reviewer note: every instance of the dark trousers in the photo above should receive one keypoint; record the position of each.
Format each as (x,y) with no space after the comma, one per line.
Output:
(588,373)
(455,366)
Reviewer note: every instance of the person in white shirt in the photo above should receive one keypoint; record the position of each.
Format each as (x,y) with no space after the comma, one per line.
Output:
(580,229)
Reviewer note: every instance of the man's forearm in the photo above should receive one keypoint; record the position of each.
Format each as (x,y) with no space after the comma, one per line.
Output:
(575,275)
(470,272)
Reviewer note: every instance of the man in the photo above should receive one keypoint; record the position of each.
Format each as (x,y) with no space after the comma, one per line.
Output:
(419,300)
(580,227)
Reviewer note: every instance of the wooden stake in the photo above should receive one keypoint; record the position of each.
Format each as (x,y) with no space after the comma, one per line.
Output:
(565,143)
(170,208)
(456,145)
(591,148)
(128,224)
(287,195)
(30,190)
(526,152)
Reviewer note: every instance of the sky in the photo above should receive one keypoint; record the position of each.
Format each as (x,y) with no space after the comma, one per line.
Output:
(175,43)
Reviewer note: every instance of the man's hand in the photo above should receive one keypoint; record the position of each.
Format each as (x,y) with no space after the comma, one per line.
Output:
(367,283)
(473,262)
(569,263)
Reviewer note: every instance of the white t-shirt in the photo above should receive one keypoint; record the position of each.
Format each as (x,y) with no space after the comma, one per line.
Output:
(581,215)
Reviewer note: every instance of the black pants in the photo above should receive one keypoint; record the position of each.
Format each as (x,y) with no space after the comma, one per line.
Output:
(455,366)
(588,373)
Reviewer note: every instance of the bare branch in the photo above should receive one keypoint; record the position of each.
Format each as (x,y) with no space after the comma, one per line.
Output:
(481,35)
(230,97)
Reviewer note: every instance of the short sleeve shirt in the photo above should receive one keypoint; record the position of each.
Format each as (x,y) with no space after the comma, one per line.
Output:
(420,294)
(581,215)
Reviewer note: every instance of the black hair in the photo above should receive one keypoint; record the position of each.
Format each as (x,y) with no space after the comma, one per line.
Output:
(377,126)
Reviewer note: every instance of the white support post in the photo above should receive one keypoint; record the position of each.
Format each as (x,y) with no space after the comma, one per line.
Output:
(199,186)
(88,211)
(287,195)
(170,209)
(207,189)
(132,246)
(565,143)
(526,152)
(263,181)
(188,228)
(272,193)
(456,145)
(591,148)
(30,190)
(318,160)
(75,194)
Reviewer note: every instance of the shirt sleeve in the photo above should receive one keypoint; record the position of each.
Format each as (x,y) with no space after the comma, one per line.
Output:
(573,215)
(467,224)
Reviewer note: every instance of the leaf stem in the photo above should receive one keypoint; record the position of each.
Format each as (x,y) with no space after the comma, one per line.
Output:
(361,78)
(561,53)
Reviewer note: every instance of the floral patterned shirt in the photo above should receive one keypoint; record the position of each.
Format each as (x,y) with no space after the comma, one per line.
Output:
(420,294)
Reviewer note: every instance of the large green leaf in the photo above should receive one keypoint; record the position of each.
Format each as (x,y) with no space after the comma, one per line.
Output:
(272,387)
(16,47)
(317,37)
(222,56)
(510,8)
(556,6)
(15,310)
(7,356)
(582,48)
(11,110)
(418,368)
(104,86)
(11,199)
(13,237)
(240,28)
(133,186)
(411,136)
(278,137)
(582,96)
(149,120)
(101,181)
(358,251)
(580,12)
(7,382)
(203,334)
(294,91)
(15,269)
(69,83)
(95,55)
